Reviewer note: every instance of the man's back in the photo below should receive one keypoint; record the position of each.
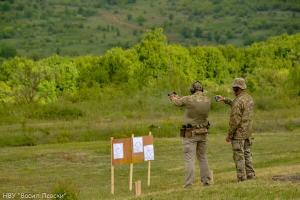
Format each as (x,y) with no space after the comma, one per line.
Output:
(197,108)
(194,132)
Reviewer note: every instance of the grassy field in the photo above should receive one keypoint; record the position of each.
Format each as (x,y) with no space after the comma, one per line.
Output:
(86,167)
(17,129)
(45,155)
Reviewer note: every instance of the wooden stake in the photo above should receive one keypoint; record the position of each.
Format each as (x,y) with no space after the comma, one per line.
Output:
(138,188)
(131,170)
(149,169)
(112,168)
(212,176)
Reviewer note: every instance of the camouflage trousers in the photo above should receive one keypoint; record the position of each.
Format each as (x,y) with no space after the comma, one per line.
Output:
(196,147)
(242,157)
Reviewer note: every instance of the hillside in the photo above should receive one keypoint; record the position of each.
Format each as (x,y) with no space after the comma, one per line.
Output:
(40,28)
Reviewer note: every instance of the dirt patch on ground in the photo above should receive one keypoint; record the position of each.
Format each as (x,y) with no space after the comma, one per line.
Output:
(293,177)
(66,156)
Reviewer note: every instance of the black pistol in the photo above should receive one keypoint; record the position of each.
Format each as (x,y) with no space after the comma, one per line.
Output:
(172,93)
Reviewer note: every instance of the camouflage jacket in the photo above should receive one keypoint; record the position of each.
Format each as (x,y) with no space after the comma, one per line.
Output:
(197,108)
(240,123)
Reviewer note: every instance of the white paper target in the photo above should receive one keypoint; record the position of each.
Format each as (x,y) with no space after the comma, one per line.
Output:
(148,152)
(118,151)
(137,144)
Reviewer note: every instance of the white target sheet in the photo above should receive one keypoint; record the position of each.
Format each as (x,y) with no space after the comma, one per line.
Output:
(118,151)
(137,144)
(148,152)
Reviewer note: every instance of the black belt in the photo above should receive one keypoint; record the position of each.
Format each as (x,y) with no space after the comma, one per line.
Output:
(207,125)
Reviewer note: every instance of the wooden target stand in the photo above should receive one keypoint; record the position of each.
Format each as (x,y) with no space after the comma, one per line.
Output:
(128,156)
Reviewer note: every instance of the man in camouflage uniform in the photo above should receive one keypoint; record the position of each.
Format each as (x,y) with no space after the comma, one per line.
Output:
(195,132)
(240,126)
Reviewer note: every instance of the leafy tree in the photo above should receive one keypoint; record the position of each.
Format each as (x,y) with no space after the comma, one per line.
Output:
(129,17)
(217,36)
(23,77)
(131,1)
(223,39)
(210,36)
(141,20)
(186,32)
(171,16)
(8,52)
(118,33)
(5,7)
(41,81)
(28,13)
(152,65)
(20,6)
(229,34)
(198,32)
(5,93)
(153,55)
(91,71)
(112,2)
(294,80)
(7,32)
(64,72)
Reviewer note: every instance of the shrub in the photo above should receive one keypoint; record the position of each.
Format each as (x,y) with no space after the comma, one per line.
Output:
(198,32)
(7,32)
(55,111)
(5,7)
(141,20)
(67,190)
(186,32)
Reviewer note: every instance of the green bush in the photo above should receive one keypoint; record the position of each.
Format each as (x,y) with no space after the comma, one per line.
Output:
(7,51)
(67,190)
(132,83)
(294,80)
(55,111)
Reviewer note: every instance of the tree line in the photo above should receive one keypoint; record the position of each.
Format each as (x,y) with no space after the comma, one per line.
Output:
(269,66)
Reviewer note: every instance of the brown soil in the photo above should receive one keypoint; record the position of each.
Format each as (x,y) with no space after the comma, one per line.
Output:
(293,178)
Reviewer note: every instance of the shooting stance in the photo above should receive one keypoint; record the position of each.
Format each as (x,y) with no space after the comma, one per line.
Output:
(194,132)
(240,125)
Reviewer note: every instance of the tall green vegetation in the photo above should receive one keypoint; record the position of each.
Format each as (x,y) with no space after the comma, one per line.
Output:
(125,90)
(26,81)
(153,64)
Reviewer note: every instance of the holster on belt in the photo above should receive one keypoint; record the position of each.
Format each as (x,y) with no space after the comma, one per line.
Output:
(189,132)
(182,132)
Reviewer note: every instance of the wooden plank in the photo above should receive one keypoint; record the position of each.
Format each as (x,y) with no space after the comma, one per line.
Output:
(112,168)
(139,157)
(138,188)
(131,169)
(127,151)
(149,166)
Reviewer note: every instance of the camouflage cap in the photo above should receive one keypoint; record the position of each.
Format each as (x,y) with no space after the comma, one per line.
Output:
(240,83)
(197,86)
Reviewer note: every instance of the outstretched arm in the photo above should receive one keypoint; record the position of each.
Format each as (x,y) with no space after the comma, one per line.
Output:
(224,99)
(177,100)
(227,101)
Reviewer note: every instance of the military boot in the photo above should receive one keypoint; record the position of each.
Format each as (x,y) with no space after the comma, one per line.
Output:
(241,179)
(251,177)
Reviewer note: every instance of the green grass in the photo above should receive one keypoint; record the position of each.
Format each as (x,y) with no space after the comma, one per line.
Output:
(86,166)
(62,124)
(65,147)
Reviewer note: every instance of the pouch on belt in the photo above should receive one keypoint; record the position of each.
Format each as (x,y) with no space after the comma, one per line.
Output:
(191,132)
